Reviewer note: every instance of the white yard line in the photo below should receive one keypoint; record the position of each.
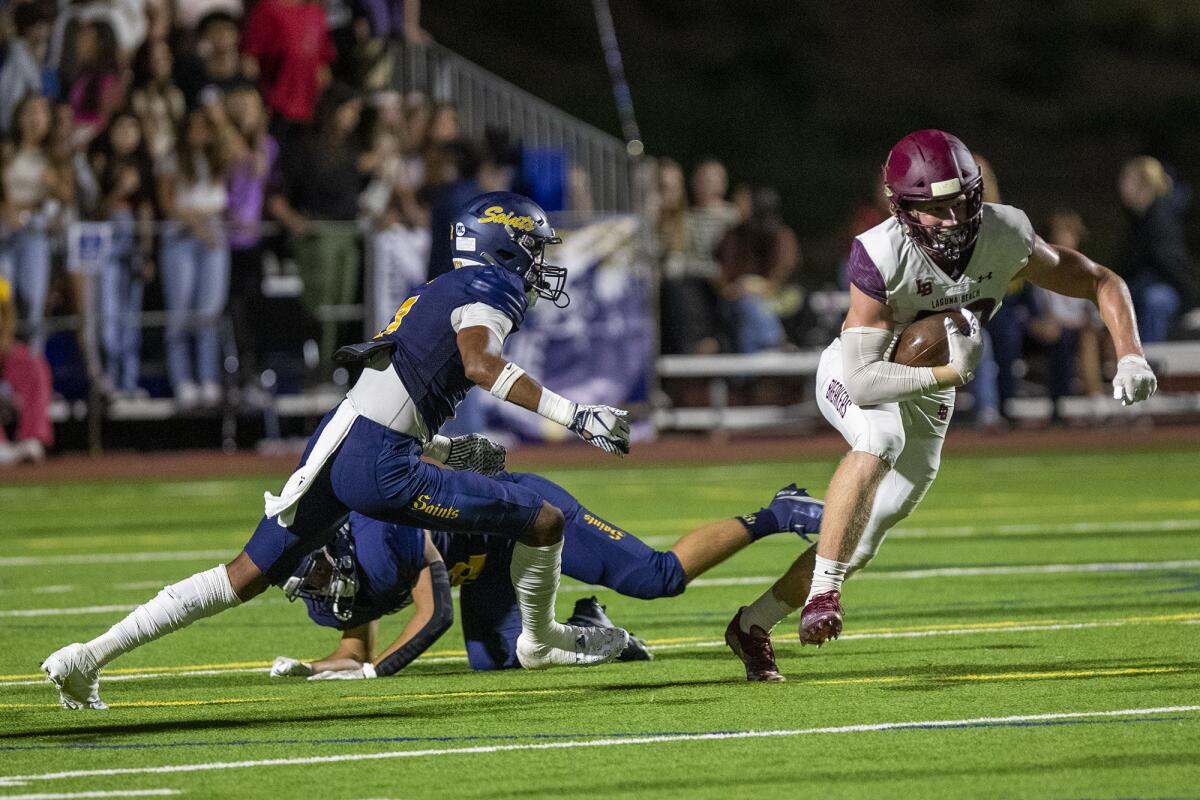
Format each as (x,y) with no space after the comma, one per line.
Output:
(115,558)
(753,580)
(1034,528)
(73,795)
(1030,529)
(639,740)
(952,572)
(64,612)
(1033,569)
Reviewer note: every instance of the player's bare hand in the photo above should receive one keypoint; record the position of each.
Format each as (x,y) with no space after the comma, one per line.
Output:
(284,667)
(475,453)
(965,348)
(1134,380)
(604,427)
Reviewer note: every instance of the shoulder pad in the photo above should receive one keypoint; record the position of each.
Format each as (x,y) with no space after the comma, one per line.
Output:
(1015,223)
(500,289)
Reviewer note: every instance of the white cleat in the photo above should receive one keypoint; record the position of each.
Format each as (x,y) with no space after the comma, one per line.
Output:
(586,647)
(74,673)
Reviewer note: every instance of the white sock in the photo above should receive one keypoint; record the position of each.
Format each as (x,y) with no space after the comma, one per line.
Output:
(176,606)
(766,612)
(535,573)
(827,577)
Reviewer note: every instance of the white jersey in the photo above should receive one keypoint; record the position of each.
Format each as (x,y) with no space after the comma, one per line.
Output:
(889,266)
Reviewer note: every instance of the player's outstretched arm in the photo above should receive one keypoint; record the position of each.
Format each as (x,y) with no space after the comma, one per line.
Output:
(1071,273)
(433,614)
(604,427)
(354,649)
(872,380)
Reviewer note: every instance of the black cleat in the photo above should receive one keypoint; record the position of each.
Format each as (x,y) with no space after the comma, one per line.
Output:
(589,613)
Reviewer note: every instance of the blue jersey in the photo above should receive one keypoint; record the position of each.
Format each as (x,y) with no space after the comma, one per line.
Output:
(387,560)
(426,355)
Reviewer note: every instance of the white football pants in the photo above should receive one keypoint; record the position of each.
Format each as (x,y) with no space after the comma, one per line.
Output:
(907,435)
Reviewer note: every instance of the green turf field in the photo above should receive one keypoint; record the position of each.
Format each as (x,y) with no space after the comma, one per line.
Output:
(1033,631)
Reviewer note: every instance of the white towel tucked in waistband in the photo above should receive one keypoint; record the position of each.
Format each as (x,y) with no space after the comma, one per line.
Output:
(284,505)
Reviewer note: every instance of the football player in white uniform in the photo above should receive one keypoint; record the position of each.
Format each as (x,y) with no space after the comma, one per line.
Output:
(942,249)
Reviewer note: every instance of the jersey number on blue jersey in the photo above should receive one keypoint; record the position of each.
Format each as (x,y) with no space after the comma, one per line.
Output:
(465,572)
(401,313)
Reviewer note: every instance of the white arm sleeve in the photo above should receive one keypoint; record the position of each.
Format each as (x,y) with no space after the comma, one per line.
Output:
(870,380)
(481,314)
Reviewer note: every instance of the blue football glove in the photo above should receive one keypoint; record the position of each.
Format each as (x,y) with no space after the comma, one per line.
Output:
(604,427)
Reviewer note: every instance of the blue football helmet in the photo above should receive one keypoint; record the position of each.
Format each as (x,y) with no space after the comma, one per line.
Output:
(509,230)
(328,577)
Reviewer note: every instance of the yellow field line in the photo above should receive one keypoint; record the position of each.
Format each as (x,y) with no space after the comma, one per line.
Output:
(964,626)
(1181,617)
(1001,676)
(159,703)
(445,695)
(190,667)
(968,626)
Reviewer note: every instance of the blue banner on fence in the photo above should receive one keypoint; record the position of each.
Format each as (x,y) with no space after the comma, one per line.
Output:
(600,348)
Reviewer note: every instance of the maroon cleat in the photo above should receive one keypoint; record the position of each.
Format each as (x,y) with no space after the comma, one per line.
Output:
(822,619)
(754,649)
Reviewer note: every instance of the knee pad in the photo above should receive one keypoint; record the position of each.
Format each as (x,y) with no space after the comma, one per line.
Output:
(883,437)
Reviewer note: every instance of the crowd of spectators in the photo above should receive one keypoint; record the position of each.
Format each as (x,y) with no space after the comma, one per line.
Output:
(157,153)
(160,154)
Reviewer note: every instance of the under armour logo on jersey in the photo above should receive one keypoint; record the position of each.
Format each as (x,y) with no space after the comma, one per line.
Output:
(943,412)
(987,277)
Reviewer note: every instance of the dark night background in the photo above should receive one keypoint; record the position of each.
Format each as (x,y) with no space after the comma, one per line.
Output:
(809,97)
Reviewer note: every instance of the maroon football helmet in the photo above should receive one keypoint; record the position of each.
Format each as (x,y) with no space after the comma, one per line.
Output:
(935,165)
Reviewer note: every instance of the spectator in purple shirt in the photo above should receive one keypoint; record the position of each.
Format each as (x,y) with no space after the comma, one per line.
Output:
(254,176)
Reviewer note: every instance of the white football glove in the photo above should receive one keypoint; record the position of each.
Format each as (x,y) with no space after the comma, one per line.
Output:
(285,667)
(365,671)
(1134,380)
(602,426)
(965,349)
(475,453)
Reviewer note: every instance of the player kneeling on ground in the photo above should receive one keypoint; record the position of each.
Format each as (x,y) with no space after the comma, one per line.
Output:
(374,568)
(943,249)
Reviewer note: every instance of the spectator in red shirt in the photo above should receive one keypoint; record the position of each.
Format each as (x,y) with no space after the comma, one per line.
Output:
(287,44)
(24,388)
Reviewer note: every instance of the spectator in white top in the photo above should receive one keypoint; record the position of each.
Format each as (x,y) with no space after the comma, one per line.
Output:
(34,189)
(195,256)
(157,101)
(689,293)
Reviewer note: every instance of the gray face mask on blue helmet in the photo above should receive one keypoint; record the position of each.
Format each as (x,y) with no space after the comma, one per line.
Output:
(328,580)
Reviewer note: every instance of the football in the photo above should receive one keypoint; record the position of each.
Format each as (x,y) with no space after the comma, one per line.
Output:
(923,343)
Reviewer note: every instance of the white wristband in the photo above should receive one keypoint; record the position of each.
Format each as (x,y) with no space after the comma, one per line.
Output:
(369,670)
(506,380)
(437,448)
(556,408)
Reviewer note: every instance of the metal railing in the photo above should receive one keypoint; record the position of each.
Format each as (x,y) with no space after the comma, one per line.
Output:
(484,100)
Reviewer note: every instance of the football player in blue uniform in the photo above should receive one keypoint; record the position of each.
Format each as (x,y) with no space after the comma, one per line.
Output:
(375,568)
(365,455)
